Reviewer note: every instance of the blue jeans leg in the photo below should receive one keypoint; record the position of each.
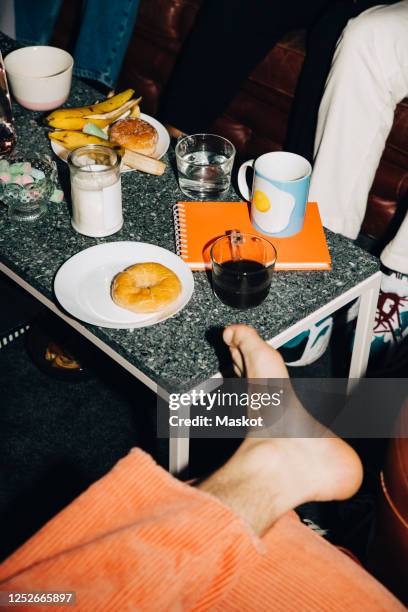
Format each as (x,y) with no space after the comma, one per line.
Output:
(104,37)
(106,29)
(35,20)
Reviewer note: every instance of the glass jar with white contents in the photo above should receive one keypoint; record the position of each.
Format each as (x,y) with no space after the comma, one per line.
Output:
(95,191)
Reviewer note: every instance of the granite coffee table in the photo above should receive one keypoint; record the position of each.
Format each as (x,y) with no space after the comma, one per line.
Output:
(178,354)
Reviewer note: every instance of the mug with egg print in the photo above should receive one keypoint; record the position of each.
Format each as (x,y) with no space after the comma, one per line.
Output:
(280,188)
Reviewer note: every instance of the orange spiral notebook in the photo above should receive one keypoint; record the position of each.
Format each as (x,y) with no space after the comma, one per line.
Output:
(199,224)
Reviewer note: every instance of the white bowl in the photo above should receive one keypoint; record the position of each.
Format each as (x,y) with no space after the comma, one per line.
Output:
(39,77)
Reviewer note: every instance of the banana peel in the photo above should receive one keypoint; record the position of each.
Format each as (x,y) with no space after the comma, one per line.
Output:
(135,114)
(72,140)
(107,106)
(115,114)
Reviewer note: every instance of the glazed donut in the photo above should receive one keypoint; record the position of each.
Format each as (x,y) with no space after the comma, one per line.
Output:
(145,287)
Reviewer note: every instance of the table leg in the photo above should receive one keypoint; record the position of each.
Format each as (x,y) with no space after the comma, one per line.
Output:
(179,452)
(179,446)
(179,442)
(364,331)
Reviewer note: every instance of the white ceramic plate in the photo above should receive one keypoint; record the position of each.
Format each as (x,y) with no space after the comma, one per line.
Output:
(163,141)
(83,283)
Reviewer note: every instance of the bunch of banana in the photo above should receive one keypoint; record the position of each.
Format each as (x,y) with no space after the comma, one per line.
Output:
(77,127)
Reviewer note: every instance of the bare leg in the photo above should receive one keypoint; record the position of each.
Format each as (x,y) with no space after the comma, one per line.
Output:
(267,477)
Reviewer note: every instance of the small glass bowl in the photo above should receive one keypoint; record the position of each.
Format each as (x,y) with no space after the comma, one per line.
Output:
(29,202)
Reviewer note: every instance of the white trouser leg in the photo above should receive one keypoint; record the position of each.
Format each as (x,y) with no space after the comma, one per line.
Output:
(395,254)
(369,76)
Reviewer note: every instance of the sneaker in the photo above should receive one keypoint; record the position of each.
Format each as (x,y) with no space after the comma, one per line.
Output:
(391,319)
(352,310)
(309,346)
(12,333)
(17,309)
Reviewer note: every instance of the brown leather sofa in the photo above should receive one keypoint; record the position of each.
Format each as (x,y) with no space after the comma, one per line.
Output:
(256,119)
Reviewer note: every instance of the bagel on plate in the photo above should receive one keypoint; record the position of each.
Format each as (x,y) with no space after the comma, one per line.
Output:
(145,287)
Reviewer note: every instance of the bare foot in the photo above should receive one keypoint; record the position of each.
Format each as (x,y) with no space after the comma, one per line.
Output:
(251,356)
(267,477)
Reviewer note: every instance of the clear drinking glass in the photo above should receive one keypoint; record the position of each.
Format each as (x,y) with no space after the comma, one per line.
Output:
(7,131)
(204,164)
(242,272)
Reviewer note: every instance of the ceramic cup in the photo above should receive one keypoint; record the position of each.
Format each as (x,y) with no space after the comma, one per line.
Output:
(279,193)
(39,77)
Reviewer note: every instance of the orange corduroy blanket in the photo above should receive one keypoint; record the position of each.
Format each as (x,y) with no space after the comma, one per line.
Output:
(138,539)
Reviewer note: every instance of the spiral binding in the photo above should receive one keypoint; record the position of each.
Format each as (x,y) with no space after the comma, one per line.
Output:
(179,216)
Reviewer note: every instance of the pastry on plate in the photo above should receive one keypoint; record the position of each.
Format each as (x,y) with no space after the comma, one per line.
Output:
(135,134)
(146,287)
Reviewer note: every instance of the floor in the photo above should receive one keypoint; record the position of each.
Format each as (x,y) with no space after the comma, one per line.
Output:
(58,437)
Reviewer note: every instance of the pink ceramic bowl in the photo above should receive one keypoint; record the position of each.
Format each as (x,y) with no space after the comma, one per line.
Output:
(39,77)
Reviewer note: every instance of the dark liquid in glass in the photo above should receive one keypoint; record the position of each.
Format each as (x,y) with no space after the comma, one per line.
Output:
(237,289)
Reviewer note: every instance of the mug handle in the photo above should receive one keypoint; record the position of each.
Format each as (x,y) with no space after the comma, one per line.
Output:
(242,182)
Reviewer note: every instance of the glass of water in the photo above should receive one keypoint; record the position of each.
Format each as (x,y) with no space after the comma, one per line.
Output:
(204,164)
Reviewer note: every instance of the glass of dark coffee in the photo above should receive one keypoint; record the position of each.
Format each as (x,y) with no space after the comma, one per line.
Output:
(242,268)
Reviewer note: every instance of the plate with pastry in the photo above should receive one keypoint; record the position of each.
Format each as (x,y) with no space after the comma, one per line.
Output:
(124,285)
(143,134)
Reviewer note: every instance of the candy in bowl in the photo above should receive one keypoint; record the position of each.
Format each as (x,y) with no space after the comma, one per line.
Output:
(27,184)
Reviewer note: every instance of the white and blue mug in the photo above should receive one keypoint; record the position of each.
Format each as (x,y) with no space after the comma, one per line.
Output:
(280,189)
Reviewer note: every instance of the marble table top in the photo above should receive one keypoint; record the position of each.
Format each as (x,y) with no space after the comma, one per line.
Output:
(185,350)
